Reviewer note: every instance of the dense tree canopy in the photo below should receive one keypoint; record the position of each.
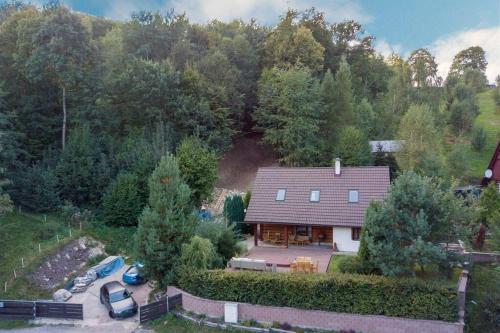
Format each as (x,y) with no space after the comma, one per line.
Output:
(120,94)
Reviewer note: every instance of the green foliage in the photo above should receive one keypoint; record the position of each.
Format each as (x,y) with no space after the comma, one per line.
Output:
(234,210)
(478,140)
(423,68)
(482,312)
(421,148)
(246,198)
(457,161)
(198,167)
(37,188)
(330,292)
(386,159)
(199,253)
(222,236)
(472,57)
(291,44)
(353,147)
(403,231)
(289,113)
(122,202)
(365,118)
(489,203)
(166,223)
(83,170)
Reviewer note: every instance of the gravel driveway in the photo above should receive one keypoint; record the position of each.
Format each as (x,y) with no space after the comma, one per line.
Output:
(95,314)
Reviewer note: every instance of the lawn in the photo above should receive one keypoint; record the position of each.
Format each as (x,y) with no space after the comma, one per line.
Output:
(23,233)
(334,261)
(21,236)
(488,119)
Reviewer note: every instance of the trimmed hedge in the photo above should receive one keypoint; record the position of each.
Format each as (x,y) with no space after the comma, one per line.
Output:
(348,293)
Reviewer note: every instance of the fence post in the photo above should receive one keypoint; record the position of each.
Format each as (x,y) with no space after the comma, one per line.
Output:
(22,262)
(69,232)
(39,248)
(57,236)
(5,287)
(168,307)
(15,275)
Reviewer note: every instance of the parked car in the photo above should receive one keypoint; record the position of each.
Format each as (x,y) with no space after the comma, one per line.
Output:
(118,300)
(134,274)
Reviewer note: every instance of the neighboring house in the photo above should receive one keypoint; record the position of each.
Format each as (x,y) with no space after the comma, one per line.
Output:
(324,205)
(386,146)
(492,173)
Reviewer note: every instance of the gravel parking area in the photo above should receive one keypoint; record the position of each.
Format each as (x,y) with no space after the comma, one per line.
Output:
(95,314)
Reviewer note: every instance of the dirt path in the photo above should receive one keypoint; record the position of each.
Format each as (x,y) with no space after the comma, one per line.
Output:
(238,167)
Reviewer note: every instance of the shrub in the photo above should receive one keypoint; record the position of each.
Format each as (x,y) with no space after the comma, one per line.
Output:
(350,264)
(478,138)
(223,237)
(123,203)
(362,294)
(199,253)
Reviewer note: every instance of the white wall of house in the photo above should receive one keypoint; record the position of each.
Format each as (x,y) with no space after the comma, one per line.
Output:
(343,237)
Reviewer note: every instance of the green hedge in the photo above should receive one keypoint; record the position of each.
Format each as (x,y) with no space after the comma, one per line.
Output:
(348,293)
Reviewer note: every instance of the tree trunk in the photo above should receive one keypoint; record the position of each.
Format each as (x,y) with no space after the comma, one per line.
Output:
(64,118)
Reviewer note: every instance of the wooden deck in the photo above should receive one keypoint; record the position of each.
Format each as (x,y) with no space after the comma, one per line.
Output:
(284,256)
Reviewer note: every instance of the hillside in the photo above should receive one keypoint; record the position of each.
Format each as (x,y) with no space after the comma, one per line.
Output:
(490,121)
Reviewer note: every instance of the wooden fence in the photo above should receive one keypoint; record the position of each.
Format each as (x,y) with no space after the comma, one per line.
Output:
(159,308)
(59,310)
(24,310)
(17,310)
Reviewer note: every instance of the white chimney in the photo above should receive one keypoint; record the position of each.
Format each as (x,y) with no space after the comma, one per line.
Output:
(337,166)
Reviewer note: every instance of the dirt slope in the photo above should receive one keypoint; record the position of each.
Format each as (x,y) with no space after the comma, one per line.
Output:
(238,167)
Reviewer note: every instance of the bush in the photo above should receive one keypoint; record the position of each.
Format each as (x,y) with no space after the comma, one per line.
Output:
(199,253)
(478,141)
(123,203)
(346,293)
(350,264)
(222,236)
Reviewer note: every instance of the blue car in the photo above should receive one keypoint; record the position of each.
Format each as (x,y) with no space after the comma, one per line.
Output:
(134,275)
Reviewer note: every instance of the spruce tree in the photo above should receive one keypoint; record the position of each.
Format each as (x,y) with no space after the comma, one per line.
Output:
(344,98)
(166,223)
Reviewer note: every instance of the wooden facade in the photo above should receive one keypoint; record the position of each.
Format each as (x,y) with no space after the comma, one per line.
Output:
(288,234)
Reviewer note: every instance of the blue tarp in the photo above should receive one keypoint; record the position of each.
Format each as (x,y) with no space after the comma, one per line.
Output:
(108,267)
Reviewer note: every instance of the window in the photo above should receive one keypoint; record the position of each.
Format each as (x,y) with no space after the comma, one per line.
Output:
(355,233)
(314,196)
(302,230)
(353,196)
(280,196)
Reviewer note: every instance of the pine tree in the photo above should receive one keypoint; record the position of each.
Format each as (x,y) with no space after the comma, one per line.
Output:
(331,119)
(166,223)
(404,229)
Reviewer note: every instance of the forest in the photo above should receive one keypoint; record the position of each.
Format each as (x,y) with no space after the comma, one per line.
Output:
(88,105)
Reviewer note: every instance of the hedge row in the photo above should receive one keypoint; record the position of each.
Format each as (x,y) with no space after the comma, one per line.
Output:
(348,293)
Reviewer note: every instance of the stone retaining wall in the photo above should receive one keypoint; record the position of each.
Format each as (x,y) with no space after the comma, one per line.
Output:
(317,319)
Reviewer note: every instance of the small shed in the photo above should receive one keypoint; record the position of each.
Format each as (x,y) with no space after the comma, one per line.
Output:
(386,146)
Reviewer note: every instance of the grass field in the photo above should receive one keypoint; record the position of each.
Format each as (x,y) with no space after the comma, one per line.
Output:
(488,119)
(20,238)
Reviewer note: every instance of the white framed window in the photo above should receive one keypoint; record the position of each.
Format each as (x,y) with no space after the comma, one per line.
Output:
(353,196)
(280,195)
(314,196)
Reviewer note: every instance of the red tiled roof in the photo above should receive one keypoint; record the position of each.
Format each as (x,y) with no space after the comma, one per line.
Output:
(333,208)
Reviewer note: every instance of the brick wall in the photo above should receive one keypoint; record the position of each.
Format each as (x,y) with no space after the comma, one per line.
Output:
(317,319)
